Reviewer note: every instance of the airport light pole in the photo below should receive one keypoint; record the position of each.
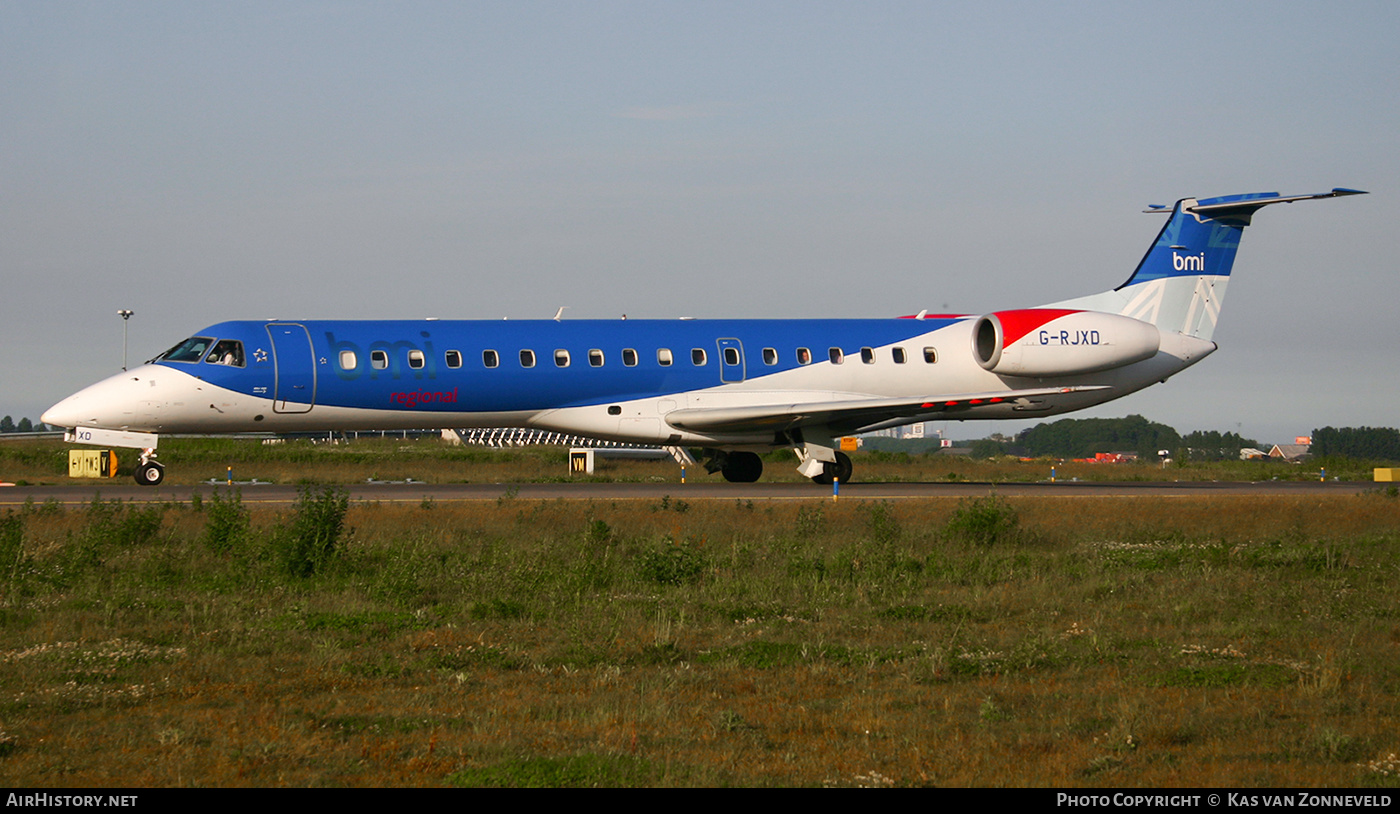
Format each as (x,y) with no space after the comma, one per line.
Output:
(125,314)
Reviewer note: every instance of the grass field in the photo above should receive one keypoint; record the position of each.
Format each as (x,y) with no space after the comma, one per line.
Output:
(995,642)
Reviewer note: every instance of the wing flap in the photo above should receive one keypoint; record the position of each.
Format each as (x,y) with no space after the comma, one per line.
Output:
(849,412)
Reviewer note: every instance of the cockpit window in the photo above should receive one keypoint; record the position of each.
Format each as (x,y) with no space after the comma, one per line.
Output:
(226,352)
(191,350)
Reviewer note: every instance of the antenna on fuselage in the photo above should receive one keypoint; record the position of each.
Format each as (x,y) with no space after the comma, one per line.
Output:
(559,315)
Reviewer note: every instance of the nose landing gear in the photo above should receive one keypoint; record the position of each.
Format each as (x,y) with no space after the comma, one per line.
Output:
(148,472)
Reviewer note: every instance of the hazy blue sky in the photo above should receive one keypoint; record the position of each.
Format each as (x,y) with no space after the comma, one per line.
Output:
(198,162)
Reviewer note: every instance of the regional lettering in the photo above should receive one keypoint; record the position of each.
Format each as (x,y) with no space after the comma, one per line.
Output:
(413,399)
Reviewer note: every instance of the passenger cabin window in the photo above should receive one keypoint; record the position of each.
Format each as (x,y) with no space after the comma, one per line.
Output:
(527,358)
(191,350)
(629,357)
(731,356)
(663,357)
(899,355)
(453,358)
(804,356)
(595,358)
(697,357)
(416,359)
(931,355)
(226,352)
(770,356)
(491,359)
(836,356)
(561,358)
(867,355)
(348,360)
(379,359)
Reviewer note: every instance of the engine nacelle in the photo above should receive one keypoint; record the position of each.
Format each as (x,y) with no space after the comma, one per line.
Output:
(1054,342)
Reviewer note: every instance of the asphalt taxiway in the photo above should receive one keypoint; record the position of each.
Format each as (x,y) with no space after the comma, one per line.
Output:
(77,494)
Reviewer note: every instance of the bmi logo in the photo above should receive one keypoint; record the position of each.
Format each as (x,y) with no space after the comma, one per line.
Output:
(1189,262)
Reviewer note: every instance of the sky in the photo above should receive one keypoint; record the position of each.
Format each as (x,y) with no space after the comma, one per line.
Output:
(197,162)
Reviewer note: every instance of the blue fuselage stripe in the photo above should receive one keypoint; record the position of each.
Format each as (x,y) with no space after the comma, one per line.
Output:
(473,387)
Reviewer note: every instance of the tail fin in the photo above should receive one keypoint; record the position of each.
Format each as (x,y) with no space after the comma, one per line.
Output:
(1180,283)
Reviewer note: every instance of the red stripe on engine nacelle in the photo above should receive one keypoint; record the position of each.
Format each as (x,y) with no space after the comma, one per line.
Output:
(1016,324)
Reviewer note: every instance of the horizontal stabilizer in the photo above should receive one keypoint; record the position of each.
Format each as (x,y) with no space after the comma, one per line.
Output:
(1241,207)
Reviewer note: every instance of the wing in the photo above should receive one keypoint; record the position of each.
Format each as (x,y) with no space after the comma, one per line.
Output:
(847,415)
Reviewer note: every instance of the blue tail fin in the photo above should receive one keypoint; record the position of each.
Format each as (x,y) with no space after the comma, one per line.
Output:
(1191,245)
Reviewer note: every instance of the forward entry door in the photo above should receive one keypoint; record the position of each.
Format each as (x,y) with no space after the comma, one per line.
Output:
(294,360)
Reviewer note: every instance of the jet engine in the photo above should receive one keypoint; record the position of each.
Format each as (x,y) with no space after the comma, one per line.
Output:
(1053,342)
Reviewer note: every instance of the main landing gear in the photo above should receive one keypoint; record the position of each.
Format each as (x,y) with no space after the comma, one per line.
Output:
(735,466)
(742,467)
(840,470)
(747,467)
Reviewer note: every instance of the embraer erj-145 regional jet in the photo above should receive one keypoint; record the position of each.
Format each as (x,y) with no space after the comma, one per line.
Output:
(730,387)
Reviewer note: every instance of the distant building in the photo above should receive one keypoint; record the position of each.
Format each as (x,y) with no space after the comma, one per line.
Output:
(905,431)
(1291,453)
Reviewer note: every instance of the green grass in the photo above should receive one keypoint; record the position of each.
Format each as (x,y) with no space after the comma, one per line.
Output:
(1218,641)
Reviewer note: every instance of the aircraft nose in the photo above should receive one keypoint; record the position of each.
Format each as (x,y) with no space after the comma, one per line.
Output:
(87,407)
(113,403)
(61,414)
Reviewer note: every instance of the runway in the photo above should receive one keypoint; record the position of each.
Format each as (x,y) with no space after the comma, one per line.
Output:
(78,494)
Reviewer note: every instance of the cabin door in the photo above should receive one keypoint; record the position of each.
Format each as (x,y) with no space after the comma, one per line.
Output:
(294,360)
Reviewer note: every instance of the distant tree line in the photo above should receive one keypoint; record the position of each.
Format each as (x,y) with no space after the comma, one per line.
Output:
(1215,446)
(1371,443)
(1084,437)
(7,424)
(1081,438)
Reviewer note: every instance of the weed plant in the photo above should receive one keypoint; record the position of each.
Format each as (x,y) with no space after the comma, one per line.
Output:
(984,521)
(309,543)
(1215,641)
(226,526)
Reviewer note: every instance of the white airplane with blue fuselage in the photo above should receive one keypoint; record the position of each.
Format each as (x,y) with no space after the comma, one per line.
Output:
(732,388)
